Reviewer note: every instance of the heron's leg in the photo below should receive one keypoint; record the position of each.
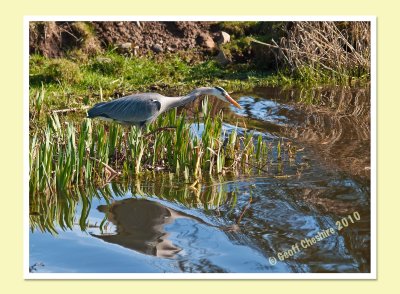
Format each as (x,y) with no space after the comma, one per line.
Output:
(126,142)
(168,128)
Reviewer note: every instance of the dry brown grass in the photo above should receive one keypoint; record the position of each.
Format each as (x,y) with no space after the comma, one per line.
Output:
(339,49)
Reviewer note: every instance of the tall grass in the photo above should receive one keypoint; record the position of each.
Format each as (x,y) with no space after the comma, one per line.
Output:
(319,51)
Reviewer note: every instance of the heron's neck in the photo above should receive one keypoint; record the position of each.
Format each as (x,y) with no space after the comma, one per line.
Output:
(182,100)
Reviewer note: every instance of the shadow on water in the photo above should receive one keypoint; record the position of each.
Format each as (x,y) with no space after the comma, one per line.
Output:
(232,223)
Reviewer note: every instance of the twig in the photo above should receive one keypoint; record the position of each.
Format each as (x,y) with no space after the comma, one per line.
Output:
(70,109)
(193,186)
(106,166)
(158,130)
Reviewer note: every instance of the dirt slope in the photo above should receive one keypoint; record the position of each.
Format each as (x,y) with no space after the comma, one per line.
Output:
(54,39)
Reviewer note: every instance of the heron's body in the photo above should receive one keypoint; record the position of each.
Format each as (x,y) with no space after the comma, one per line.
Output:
(138,109)
(142,109)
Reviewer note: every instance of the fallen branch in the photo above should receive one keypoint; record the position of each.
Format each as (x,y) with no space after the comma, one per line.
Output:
(70,109)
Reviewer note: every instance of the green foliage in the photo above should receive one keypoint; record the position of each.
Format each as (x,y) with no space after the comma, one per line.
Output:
(107,66)
(61,71)
(64,154)
(71,82)
(239,28)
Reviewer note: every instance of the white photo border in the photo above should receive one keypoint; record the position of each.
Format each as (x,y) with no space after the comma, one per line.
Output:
(199,276)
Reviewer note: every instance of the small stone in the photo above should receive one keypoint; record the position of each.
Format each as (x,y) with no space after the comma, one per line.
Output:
(205,41)
(223,38)
(136,50)
(222,58)
(124,48)
(157,48)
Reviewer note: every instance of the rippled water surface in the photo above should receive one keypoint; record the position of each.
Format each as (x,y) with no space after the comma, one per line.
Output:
(259,223)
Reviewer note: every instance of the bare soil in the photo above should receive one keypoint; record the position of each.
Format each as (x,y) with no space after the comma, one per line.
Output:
(55,39)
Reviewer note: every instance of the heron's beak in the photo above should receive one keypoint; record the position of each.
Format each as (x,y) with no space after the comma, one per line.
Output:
(230,99)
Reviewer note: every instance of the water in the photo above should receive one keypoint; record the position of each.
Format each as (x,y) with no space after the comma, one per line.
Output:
(234,224)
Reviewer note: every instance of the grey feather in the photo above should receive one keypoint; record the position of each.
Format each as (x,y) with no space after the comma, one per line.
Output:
(136,109)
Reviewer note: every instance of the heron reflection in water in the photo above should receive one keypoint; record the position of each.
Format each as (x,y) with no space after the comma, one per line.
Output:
(140,226)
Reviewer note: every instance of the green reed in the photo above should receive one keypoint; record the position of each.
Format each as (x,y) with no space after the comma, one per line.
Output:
(64,154)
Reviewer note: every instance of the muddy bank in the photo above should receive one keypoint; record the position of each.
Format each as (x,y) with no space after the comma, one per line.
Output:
(227,42)
(55,39)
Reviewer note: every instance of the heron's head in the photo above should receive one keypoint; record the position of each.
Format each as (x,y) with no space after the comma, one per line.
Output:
(220,93)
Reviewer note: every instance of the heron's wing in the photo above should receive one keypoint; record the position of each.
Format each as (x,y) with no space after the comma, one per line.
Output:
(134,109)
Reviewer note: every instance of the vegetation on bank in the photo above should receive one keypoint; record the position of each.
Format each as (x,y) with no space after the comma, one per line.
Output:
(304,53)
(79,80)
(64,153)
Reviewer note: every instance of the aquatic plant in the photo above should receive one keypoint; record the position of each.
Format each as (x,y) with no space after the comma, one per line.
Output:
(64,153)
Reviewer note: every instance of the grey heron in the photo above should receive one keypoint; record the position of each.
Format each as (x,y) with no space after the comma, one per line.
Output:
(142,109)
